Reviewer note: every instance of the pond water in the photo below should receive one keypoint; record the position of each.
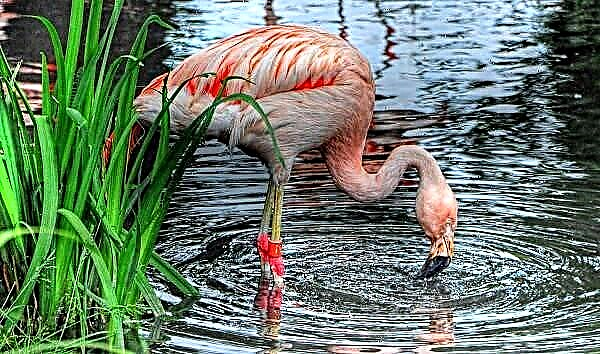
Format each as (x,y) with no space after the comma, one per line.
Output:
(504,94)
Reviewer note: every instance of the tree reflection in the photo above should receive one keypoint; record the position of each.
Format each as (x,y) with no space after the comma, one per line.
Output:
(572,36)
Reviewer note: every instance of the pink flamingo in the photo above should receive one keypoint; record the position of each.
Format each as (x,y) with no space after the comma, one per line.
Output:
(318,92)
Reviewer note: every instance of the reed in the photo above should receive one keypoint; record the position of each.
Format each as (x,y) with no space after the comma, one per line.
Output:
(77,234)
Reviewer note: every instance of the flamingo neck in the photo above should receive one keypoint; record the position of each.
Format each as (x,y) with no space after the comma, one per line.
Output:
(350,175)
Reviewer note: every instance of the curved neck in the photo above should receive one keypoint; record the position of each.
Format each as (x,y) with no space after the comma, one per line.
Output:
(349,175)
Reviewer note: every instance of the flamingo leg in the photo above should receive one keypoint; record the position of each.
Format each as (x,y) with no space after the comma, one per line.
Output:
(268,208)
(269,245)
(275,244)
(278,209)
(269,299)
(265,224)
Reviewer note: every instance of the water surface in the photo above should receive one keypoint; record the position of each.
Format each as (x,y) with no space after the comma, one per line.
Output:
(504,94)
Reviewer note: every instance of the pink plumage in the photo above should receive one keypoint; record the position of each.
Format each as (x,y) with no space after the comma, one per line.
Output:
(276,58)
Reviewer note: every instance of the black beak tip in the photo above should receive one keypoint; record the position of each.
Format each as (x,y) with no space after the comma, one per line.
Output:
(433,266)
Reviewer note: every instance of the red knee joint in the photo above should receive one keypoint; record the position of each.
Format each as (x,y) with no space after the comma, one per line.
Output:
(274,249)
(262,244)
(275,257)
(270,252)
(267,247)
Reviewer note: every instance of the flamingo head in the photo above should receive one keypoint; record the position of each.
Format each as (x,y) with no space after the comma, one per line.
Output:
(437,213)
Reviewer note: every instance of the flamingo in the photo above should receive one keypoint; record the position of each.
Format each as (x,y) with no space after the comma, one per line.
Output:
(318,92)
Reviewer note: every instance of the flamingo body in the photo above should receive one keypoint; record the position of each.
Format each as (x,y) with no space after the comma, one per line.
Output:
(312,85)
(318,92)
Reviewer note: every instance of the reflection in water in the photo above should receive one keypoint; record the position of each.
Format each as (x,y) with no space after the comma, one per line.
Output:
(342,27)
(388,52)
(574,55)
(503,93)
(439,335)
(268,301)
(270,17)
(5,17)
(440,332)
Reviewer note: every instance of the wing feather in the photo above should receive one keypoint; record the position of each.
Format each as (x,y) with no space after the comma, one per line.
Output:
(277,59)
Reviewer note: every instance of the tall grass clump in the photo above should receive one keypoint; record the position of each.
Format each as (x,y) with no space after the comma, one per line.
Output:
(77,234)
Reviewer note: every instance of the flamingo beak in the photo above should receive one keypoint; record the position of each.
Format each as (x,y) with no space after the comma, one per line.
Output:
(433,266)
(440,254)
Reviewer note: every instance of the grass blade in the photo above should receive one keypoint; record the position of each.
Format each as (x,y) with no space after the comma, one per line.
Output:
(103,274)
(149,295)
(172,275)
(49,216)
(73,44)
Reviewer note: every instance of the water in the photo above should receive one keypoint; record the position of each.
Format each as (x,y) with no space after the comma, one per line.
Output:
(504,94)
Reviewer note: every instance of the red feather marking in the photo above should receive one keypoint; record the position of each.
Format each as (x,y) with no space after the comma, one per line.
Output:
(310,84)
(192,86)
(224,71)
(154,85)
(214,84)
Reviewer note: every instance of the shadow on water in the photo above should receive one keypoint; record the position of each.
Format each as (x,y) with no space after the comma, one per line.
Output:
(503,93)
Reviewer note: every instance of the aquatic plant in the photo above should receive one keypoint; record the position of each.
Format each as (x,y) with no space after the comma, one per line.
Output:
(77,233)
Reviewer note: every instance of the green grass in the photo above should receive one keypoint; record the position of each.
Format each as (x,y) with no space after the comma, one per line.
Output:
(77,237)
